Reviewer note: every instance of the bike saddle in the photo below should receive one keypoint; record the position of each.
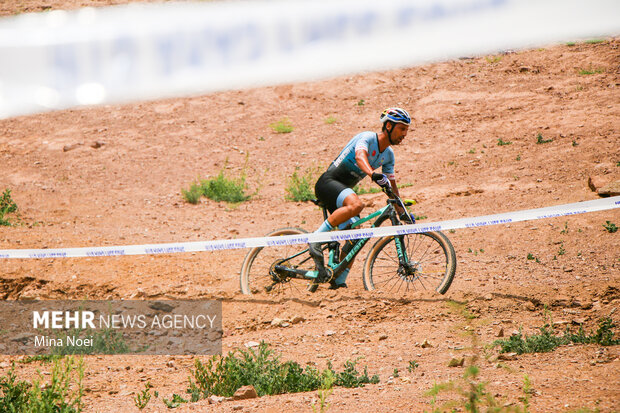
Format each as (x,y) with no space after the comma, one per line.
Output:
(318,203)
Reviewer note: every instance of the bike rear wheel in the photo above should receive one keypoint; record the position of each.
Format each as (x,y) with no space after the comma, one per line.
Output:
(431,264)
(259,277)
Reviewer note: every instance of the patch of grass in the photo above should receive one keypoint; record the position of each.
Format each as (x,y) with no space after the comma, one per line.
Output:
(472,151)
(501,142)
(325,390)
(419,217)
(493,59)
(575,143)
(63,393)
(299,187)
(331,120)
(361,102)
(284,125)
(547,340)
(261,368)
(43,358)
(7,206)
(540,140)
(610,227)
(591,71)
(518,157)
(594,41)
(193,194)
(570,44)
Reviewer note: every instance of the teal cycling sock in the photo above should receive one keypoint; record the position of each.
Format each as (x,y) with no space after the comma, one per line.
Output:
(325,227)
(342,277)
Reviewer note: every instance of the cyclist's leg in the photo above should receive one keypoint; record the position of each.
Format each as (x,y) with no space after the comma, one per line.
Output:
(340,200)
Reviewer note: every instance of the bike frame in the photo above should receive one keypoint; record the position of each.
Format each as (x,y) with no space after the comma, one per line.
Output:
(337,266)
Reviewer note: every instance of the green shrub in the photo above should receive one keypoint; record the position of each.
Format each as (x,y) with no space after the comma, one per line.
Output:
(284,125)
(299,187)
(501,142)
(193,194)
(7,206)
(548,341)
(222,188)
(261,368)
(330,119)
(63,394)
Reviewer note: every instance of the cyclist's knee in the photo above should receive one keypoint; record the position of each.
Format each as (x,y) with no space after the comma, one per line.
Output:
(356,207)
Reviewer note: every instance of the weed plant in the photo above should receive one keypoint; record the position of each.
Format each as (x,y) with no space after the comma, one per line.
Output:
(284,125)
(63,393)
(471,393)
(142,399)
(540,140)
(501,142)
(299,187)
(7,206)
(610,227)
(547,340)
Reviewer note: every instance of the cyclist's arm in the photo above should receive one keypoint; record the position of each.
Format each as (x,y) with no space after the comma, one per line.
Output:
(361,157)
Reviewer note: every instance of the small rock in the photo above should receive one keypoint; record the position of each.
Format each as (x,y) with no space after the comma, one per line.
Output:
(97,144)
(500,333)
(611,189)
(278,322)
(579,321)
(383,337)
(330,332)
(456,362)
(488,297)
(297,319)
(507,356)
(245,392)
(237,407)
(68,148)
(524,69)
(596,182)
(426,344)
(251,344)
(213,399)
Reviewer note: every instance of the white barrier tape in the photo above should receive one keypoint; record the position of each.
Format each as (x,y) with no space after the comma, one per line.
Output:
(62,59)
(504,218)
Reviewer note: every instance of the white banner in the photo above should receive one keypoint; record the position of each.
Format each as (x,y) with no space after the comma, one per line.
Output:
(61,59)
(504,218)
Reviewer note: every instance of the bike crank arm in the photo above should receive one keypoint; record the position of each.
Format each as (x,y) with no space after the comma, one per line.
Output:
(295,273)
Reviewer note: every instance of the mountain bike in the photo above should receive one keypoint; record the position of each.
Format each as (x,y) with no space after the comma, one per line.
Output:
(395,264)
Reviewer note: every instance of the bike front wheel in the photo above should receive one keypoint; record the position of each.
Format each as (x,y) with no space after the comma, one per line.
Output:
(258,274)
(426,262)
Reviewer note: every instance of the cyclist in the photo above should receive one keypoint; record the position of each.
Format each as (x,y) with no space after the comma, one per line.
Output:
(363,154)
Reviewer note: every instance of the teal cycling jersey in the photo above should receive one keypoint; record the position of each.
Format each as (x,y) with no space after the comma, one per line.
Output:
(345,169)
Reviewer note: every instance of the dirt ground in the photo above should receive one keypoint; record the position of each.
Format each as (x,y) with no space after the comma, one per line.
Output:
(128,191)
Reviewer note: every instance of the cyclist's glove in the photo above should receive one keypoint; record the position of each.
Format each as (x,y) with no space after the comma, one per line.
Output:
(406,218)
(381,180)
